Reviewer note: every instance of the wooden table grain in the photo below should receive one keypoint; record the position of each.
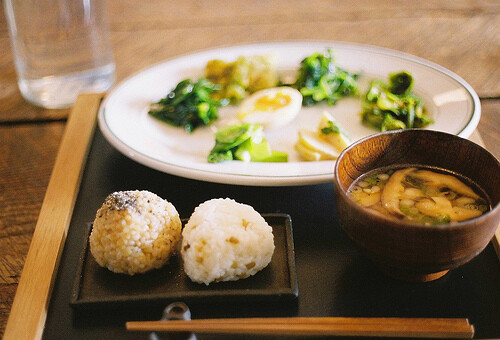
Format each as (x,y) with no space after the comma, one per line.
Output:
(463,36)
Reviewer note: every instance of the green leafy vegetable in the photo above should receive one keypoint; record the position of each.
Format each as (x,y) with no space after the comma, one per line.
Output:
(393,106)
(244,142)
(400,83)
(330,128)
(372,179)
(188,105)
(320,80)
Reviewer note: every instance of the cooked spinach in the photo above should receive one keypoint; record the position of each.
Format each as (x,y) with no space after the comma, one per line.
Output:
(189,105)
(393,106)
(321,80)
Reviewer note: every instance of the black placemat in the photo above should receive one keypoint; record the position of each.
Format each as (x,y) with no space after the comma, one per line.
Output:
(334,279)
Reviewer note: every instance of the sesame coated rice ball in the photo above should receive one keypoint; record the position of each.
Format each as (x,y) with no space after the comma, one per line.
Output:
(134,232)
(225,241)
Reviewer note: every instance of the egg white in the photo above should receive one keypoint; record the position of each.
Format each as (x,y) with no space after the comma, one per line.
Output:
(272,117)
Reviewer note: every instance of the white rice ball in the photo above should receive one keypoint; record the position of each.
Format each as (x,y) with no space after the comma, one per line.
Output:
(225,241)
(134,232)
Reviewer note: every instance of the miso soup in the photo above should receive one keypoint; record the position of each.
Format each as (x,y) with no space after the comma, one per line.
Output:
(419,194)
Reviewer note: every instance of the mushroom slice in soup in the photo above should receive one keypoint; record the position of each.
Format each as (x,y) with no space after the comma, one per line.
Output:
(441,206)
(412,193)
(460,214)
(448,181)
(419,195)
(435,206)
(392,191)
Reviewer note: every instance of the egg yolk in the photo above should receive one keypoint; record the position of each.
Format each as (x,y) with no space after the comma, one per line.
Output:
(272,103)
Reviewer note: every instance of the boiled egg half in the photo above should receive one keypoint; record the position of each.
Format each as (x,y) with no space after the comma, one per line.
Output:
(271,107)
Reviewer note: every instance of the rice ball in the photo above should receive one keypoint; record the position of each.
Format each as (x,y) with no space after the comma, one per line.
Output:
(225,241)
(134,232)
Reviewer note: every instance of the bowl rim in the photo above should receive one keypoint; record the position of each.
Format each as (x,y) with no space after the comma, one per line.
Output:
(410,224)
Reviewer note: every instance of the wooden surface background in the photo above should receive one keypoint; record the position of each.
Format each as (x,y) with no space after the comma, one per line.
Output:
(463,36)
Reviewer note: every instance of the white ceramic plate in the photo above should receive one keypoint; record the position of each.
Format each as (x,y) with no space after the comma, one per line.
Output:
(125,123)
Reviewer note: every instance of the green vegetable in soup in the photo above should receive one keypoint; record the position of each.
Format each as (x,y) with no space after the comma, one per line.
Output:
(243,142)
(188,105)
(393,106)
(320,80)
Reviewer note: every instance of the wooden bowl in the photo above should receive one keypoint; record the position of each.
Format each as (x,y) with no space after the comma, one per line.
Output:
(406,250)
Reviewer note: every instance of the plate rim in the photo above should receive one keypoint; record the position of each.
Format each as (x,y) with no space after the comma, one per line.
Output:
(272,180)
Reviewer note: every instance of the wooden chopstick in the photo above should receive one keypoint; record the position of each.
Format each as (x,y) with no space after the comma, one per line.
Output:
(333,326)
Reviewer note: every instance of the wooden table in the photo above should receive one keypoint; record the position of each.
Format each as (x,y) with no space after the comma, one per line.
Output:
(463,36)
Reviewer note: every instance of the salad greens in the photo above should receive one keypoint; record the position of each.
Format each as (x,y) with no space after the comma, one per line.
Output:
(243,142)
(393,106)
(320,80)
(188,105)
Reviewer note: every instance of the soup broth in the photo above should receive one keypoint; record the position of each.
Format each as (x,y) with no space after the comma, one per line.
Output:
(419,194)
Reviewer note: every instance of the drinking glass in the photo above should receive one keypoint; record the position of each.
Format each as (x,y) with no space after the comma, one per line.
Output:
(61,48)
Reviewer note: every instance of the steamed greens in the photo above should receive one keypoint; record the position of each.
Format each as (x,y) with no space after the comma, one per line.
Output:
(320,80)
(243,142)
(189,105)
(393,106)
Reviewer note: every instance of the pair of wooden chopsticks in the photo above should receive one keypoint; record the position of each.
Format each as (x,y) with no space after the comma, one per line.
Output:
(316,326)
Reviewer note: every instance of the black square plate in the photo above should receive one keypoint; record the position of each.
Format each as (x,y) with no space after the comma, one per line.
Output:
(97,287)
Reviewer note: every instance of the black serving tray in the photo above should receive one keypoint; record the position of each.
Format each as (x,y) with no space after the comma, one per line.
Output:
(96,287)
(335,279)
